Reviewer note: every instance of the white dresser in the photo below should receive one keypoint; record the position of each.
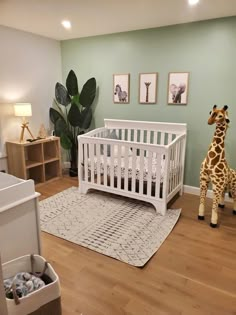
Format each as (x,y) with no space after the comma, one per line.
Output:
(19,218)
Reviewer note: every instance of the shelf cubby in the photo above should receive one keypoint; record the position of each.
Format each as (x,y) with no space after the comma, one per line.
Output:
(36,173)
(51,150)
(52,170)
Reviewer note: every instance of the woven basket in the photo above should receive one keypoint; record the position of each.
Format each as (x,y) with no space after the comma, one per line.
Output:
(45,301)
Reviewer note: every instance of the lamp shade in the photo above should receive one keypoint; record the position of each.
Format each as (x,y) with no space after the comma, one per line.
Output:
(23,109)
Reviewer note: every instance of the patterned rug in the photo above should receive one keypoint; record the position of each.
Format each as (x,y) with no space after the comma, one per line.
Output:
(122,228)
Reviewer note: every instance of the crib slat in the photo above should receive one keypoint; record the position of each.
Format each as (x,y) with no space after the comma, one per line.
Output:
(175,165)
(98,152)
(112,167)
(141,173)
(172,167)
(169,138)
(129,135)
(126,167)
(134,152)
(158,174)
(81,163)
(141,135)
(176,170)
(154,141)
(91,150)
(105,164)
(123,134)
(119,166)
(86,161)
(149,177)
(171,179)
(182,159)
(148,136)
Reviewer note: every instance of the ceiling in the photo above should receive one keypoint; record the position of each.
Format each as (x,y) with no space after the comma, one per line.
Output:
(96,17)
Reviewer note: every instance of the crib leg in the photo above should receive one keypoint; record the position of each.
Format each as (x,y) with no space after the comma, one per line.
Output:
(160,208)
(83,189)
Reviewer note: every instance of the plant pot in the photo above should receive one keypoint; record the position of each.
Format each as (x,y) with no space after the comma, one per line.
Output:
(73,172)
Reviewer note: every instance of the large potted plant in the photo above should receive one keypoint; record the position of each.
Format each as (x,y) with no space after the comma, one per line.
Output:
(71,114)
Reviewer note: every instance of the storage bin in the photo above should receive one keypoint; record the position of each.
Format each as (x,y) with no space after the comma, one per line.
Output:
(44,301)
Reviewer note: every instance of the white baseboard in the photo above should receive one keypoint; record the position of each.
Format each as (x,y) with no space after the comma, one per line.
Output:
(196,191)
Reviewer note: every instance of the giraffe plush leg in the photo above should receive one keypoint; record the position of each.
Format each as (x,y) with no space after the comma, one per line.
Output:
(233,192)
(234,210)
(222,201)
(233,189)
(214,213)
(203,192)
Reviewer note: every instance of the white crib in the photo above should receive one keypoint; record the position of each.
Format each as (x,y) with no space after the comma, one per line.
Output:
(136,159)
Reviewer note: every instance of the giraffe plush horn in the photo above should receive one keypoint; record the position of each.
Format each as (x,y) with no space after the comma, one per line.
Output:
(214,107)
(225,107)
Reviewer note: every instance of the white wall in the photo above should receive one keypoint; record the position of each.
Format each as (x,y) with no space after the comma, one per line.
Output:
(30,65)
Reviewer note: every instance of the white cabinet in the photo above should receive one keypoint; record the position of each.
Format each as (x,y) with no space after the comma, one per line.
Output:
(19,218)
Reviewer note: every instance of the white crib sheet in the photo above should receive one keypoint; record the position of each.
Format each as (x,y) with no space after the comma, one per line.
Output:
(172,169)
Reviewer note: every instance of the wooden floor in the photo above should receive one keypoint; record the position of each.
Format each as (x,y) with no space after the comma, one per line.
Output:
(194,271)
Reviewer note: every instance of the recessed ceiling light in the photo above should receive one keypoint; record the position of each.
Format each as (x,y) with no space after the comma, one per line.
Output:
(66,24)
(192,2)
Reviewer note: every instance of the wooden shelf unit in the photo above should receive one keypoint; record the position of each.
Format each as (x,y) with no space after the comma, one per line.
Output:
(39,160)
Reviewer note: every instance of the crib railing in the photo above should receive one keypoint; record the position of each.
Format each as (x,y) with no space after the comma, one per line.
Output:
(137,135)
(175,162)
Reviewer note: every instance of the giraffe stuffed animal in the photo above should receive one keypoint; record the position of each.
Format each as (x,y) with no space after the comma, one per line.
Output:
(214,167)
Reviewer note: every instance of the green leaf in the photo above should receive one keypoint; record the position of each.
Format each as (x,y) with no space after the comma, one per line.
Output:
(86,117)
(88,93)
(55,115)
(60,127)
(65,141)
(74,116)
(72,83)
(75,99)
(61,95)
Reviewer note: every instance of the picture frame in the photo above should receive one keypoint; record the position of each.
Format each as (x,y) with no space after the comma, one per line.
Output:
(178,83)
(148,88)
(121,88)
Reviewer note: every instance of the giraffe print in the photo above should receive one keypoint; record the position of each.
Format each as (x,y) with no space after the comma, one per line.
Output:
(214,167)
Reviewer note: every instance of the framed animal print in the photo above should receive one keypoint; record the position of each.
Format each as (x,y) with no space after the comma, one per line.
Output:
(148,88)
(121,88)
(178,88)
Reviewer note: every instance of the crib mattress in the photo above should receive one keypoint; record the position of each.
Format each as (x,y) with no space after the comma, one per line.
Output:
(155,167)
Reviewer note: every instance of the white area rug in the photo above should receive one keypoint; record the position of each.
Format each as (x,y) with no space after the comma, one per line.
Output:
(122,228)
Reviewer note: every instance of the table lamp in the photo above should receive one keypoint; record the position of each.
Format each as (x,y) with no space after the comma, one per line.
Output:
(23,110)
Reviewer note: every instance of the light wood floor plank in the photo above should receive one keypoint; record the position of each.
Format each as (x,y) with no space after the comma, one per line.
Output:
(193,273)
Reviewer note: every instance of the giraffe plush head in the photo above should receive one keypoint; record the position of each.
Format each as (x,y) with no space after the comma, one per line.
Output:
(218,116)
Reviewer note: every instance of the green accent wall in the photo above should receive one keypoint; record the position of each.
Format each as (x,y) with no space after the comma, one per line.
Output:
(205,49)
